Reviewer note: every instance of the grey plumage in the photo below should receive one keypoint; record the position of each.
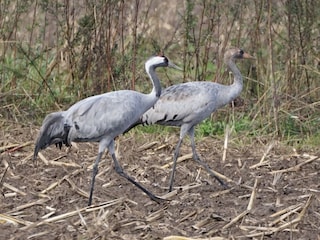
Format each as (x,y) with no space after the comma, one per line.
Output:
(101,118)
(186,105)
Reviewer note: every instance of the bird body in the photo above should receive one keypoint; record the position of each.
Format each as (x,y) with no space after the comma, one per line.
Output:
(101,118)
(187,104)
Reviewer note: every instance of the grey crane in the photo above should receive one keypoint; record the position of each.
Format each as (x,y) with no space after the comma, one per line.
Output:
(187,104)
(102,118)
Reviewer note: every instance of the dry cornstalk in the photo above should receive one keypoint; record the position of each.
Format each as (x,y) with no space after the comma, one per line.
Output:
(64,164)
(77,189)
(14,189)
(53,185)
(297,167)
(147,146)
(156,215)
(19,146)
(291,224)
(46,162)
(201,223)
(284,216)
(24,160)
(253,195)
(236,219)
(265,154)
(257,228)
(180,159)
(188,216)
(288,209)
(75,212)
(13,220)
(4,174)
(187,238)
(8,168)
(38,202)
(226,140)
(216,194)
(5,148)
(181,189)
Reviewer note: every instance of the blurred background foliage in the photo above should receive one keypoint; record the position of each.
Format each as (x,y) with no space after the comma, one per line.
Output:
(56,52)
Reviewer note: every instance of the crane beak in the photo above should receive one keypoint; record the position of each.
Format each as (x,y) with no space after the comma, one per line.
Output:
(172,65)
(248,56)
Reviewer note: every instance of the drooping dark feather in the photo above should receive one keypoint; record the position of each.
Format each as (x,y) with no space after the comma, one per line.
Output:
(53,131)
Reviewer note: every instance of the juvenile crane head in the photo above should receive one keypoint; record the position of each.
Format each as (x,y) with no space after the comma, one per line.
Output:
(236,53)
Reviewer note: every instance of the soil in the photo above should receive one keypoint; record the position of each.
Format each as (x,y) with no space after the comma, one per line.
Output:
(273,190)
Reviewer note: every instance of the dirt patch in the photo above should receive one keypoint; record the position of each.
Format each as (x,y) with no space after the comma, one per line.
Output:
(277,198)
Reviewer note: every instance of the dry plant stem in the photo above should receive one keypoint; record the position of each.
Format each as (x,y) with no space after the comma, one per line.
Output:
(265,154)
(253,195)
(53,185)
(20,146)
(3,175)
(188,216)
(216,194)
(147,146)
(75,212)
(236,219)
(5,148)
(76,189)
(8,167)
(291,224)
(15,221)
(187,238)
(288,209)
(180,190)
(156,215)
(286,215)
(21,207)
(14,189)
(54,162)
(297,167)
(226,140)
(249,207)
(180,159)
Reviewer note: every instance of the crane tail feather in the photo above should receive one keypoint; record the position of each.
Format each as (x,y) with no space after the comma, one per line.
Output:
(52,131)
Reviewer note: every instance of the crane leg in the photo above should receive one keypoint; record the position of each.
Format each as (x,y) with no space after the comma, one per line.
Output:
(94,173)
(204,164)
(120,171)
(174,165)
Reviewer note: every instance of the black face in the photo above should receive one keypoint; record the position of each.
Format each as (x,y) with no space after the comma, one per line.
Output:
(239,54)
(166,60)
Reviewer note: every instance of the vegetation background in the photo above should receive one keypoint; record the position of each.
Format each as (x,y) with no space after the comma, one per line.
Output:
(56,52)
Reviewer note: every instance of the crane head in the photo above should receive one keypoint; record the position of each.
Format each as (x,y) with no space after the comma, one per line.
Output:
(236,53)
(161,61)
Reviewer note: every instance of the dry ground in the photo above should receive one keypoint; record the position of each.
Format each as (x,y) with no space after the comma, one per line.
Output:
(273,194)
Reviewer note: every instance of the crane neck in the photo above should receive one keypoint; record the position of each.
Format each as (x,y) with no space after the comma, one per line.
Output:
(230,92)
(156,90)
(236,72)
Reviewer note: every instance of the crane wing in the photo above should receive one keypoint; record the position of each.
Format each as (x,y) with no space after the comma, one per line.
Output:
(182,103)
(106,114)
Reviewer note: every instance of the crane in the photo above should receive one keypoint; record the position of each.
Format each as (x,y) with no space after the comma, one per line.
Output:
(102,118)
(187,104)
